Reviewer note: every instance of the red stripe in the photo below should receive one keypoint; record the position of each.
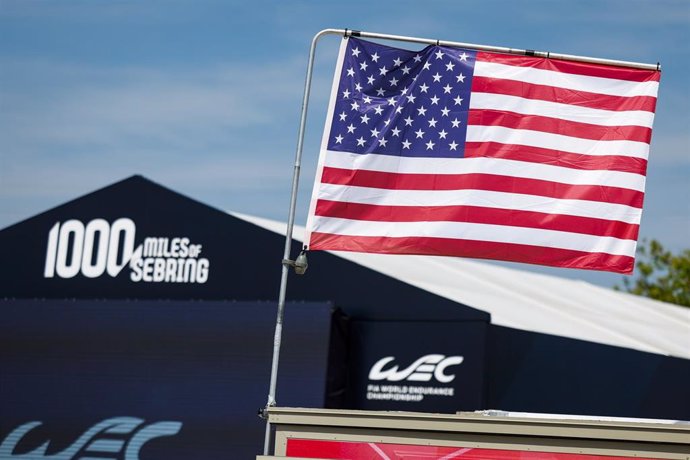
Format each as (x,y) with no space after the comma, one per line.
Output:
(562,95)
(491,182)
(479,215)
(478,249)
(577,68)
(556,157)
(559,126)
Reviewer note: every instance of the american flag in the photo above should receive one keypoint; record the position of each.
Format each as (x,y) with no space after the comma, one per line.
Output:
(456,152)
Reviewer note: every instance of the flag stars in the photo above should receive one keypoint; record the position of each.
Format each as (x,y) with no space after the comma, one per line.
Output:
(408,121)
(437,77)
(378,110)
(434,100)
(399,109)
(383,71)
(396,132)
(439,54)
(338,139)
(346,94)
(460,78)
(363,65)
(365,119)
(380,92)
(374,132)
(342,116)
(417,58)
(405,70)
(360,141)
(453,145)
(455,123)
(354,105)
(445,111)
(397,61)
(432,123)
(393,81)
(383,142)
(458,100)
(419,133)
(366,100)
(387,122)
(430,145)
(450,66)
(351,129)
(463,57)
(350,72)
(447,88)
(391,101)
(375,57)
(406,144)
(358,87)
(421,111)
(370,80)
(442,134)
(411,98)
(427,65)
(355,52)
(423,88)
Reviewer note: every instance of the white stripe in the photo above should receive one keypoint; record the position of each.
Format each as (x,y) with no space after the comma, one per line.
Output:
(577,113)
(483,198)
(498,166)
(477,232)
(500,134)
(600,85)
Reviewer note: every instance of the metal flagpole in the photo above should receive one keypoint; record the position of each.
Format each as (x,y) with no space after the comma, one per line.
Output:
(300,263)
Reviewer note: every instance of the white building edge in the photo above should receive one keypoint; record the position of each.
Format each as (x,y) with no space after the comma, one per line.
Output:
(532,302)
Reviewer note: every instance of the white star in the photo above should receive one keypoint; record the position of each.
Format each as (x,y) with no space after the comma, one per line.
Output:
(399,109)
(423,88)
(434,100)
(397,61)
(346,94)
(419,133)
(437,77)
(453,145)
(442,134)
(427,65)
(432,123)
(463,57)
(408,121)
(404,90)
(394,82)
(445,111)
(380,92)
(383,71)
(374,132)
(439,55)
(343,116)
(396,132)
(421,110)
(461,78)
(446,89)
(430,145)
(391,101)
(355,52)
(456,123)
(370,79)
(406,144)
(350,72)
(387,122)
(360,141)
(375,57)
(365,118)
(338,139)
(363,65)
(458,100)
(450,66)
(358,87)
(354,105)
(378,110)
(405,70)
(417,58)
(366,100)
(351,128)
(383,142)
(411,98)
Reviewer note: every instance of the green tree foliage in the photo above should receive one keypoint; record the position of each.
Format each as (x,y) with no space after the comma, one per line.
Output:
(661,275)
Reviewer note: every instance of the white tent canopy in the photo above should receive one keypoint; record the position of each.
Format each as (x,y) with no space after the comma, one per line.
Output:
(533,302)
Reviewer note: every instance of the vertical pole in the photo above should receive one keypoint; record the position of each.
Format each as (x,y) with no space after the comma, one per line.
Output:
(277,338)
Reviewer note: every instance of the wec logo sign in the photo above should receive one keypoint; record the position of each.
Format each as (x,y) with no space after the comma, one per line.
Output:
(422,370)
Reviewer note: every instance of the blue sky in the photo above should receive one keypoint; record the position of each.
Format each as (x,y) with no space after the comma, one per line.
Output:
(204,96)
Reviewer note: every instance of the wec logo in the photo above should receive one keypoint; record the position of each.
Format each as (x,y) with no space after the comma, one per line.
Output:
(422,370)
(114,438)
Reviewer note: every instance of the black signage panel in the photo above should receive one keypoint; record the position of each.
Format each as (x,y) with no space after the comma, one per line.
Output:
(417,366)
(148,380)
